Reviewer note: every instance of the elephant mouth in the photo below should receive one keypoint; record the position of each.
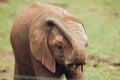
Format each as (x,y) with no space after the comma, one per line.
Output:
(75,66)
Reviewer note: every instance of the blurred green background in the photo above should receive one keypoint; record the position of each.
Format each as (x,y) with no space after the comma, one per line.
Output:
(101,19)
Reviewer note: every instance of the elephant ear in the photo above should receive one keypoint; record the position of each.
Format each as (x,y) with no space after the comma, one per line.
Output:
(38,36)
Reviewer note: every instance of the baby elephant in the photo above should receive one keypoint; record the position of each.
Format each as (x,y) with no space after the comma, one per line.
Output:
(48,42)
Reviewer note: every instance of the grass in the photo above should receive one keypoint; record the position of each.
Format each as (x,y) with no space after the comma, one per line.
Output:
(101,20)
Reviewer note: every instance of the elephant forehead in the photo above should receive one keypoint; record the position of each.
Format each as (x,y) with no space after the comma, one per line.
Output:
(77,27)
(78,30)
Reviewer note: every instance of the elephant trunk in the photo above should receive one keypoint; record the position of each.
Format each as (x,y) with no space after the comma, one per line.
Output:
(74,39)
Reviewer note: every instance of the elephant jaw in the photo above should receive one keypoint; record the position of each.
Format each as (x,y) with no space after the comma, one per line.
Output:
(75,66)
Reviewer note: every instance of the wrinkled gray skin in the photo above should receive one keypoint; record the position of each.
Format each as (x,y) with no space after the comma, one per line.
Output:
(48,43)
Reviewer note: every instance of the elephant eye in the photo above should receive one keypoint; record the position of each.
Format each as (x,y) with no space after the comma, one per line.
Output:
(59,46)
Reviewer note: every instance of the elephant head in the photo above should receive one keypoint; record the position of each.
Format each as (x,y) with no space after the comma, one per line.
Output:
(54,40)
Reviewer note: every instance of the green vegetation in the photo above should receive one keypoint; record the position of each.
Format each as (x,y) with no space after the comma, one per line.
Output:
(101,19)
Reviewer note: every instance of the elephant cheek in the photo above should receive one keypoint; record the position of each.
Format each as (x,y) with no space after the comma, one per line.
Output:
(67,62)
(59,58)
(69,58)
